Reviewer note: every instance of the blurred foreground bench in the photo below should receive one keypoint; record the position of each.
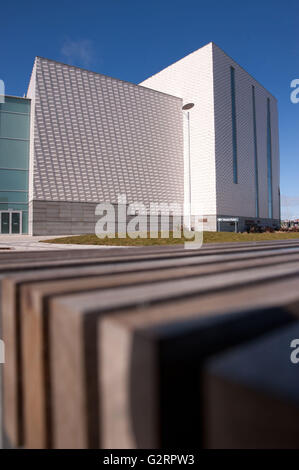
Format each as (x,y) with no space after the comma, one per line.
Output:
(151,347)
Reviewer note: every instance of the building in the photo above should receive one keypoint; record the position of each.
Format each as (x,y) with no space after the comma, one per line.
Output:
(234,144)
(14,164)
(80,138)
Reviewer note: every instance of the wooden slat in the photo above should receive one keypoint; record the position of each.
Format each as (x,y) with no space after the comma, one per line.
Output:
(156,365)
(37,261)
(251,395)
(72,321)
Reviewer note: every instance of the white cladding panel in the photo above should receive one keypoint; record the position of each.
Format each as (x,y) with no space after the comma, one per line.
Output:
(96,137)
(31,95)
(275,159)
(191,78)
(203,78)
(239,199)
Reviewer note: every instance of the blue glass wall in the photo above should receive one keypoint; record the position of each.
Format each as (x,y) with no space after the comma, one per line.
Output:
(14,156)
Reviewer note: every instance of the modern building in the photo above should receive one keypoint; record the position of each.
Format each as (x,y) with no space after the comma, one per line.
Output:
(14,164)
(80,138)
(234,144)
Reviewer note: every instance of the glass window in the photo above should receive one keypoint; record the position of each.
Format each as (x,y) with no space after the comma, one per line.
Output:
(15,222)
(15,105)
(13,206)
(8,218)
(24,222)
(13,196)
(14,126)
(14,153)
(13,180)
(5,225)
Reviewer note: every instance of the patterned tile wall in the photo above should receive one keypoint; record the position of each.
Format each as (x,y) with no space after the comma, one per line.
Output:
(96,137)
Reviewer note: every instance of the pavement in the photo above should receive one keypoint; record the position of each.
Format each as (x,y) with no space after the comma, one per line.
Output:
(32,243)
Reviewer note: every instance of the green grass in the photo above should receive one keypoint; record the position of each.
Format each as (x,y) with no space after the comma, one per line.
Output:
(209,237)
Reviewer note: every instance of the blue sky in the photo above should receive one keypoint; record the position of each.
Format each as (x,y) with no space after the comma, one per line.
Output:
(132,40)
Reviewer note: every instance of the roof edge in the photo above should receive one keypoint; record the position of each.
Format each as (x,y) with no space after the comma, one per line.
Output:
(104,75)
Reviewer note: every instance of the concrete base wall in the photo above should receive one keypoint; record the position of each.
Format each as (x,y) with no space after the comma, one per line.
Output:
(76,218)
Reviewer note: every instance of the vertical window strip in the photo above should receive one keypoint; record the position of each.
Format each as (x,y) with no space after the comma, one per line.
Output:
(269,161)
(257,210)
(279,206)
(234,125)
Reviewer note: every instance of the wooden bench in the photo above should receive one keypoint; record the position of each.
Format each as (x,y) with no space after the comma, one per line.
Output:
(12,311)
(88,335)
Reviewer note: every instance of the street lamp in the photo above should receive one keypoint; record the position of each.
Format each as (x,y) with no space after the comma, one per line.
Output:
(187,108)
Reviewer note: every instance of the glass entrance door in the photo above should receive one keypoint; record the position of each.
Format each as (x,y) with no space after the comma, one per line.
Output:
(5,225)
(10,222)
(15,222)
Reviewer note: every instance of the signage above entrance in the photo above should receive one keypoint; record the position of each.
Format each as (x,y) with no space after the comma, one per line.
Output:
(228,219)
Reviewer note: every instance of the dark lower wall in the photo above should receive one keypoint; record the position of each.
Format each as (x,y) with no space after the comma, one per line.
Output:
(210,223)
(68,218)
(245,222)
(75,218)
(61,218)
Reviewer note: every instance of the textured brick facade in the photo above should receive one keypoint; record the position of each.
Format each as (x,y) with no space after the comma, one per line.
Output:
(95,137)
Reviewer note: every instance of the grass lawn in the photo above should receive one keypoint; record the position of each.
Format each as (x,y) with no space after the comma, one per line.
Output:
(209,237)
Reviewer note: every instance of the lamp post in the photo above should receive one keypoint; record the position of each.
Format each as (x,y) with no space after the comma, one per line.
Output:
(187,108)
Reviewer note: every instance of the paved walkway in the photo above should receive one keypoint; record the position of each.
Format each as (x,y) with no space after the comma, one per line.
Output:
(31,243)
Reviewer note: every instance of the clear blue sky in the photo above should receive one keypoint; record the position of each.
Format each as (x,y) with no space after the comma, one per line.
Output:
(133,39)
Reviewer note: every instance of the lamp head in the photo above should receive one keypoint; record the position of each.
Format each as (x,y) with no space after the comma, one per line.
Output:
(188,106)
